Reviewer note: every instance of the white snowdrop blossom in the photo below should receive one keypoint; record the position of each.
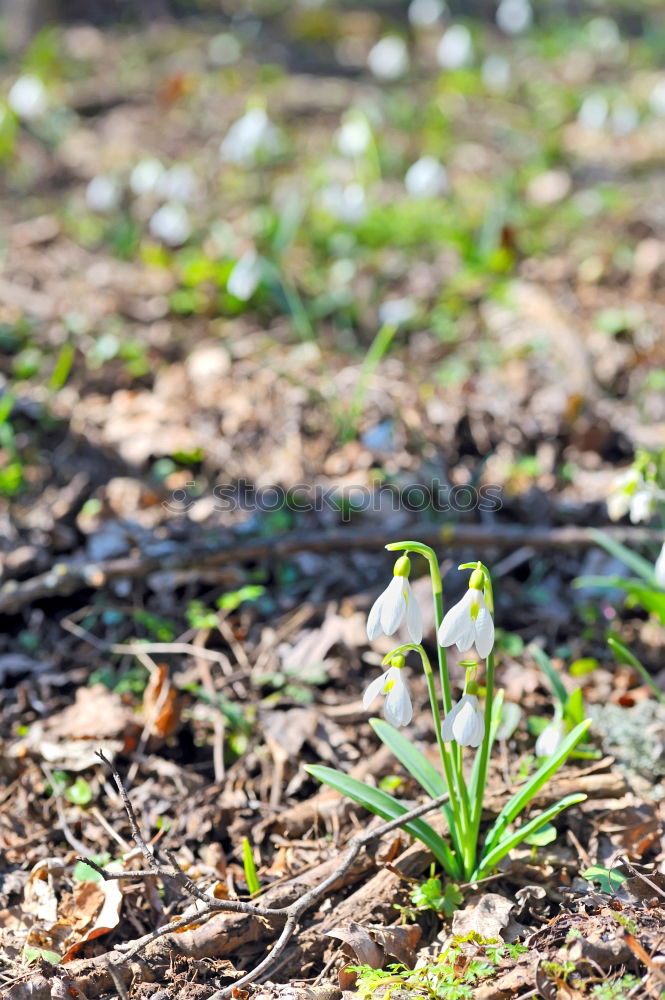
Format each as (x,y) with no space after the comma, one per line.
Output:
(396,602)
(103,193)
(389,58)
(426,178)
(345,202)
(178,183)
(425,13)
(469,623)
(171,224)
(551,738)
(245,277)
(495,73)
(630,494)
(593,111)
(455,50)
(397,707)
(249,137)
(27,97)
(394,312)
(145,176)
(514,16)
(465,723)
(354,135)
(659,568)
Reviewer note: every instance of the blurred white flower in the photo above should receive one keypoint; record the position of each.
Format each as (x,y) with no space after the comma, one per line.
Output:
(455,49)
(354,135)
(250,137)
(145,176)
(514,16)
(103,193)
(224,49)
(630,494)
(171,224)
(465,723)
(394,312)
(551,738)
(659,568)
(495,72)
(468,623)
(397,706)
(345,202)
(393,604)
(245,277)
(27,97)
(603,33)
(593,111)
(625,118)
(425,13)
(426,178)
(657,98)
(389,58)
(178,183)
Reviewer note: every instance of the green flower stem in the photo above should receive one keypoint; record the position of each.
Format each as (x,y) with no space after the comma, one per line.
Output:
(489,697)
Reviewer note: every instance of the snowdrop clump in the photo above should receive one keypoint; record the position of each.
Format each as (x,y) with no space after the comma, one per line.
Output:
(426,178)
(455,50)
(27,97)
(249,138)
(389,58)
(245,277)
(171,224)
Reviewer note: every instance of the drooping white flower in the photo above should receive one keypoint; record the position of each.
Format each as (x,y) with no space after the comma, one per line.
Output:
(593,111)
(178,183)
(455,49)
(389,58)
(145,176)
(469,623)
(465,723)
(495,73)
(354,134)
(103,193)
(659,568)
(631,494)
(514,16)
(426,178)
(345,202)
(245,277)
(249,137)
(171,224)
(551,738)
(397,707)
(393,604)
(394,312)
(425,13)
(27,97)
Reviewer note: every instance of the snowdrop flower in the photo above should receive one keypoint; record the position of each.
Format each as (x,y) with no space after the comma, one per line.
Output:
(171,224)
(625,118)
(27,97)
(346,203)
(397,706)
(102,193)
(393,604)
(631,494)
(455,49)
(354,135)
(245,277)
(551,738)
(659,568)
(177,184)
(249,137)
(593,111)
(465,723)
(394,312)
(224,49)
(426,178)
(389,58)
(495,73)
(145,176)
(469,622)
(514,16)
(425,13)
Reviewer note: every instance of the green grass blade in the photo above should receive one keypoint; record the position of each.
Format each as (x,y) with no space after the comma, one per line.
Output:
(636,562)
(386,806)
(251,878)
(547,667)
(514,806)
(492,858)
(415,762)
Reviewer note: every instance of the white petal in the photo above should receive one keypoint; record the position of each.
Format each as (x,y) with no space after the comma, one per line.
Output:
(484,640)
(641,506)
(394,604)
(374,619)
(447,727)
(374,689)
(397,706)
(469,726)
(550,739)
(456,623)
(659,568)
(414,619)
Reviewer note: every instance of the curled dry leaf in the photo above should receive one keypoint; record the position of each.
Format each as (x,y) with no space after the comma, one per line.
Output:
(162,704)
(487,915)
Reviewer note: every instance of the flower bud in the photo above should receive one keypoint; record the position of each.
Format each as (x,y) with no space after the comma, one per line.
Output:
(402,566)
